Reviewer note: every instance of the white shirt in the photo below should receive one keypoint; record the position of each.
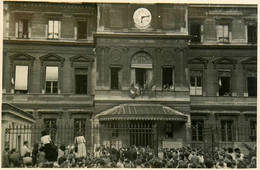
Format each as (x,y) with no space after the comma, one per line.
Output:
(24,149)
(46,139)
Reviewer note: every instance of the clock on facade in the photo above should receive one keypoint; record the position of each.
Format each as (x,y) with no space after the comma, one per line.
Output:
(142,18)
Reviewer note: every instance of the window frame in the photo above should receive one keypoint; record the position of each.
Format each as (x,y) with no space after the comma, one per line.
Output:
(173,76)
(77,33)
(53,16)
(200,36)
(253,131)
(202,77)
(226,130)
(197,130)
(75,84)
(224,21)
(223,37)
(80,128)
(27,33)
(230,80)
(119,67)
(48,31)
(18,91)
(52,81)
(23,15)
(81,17)
(53,130)
(21,59)
(171,131)
(247,70)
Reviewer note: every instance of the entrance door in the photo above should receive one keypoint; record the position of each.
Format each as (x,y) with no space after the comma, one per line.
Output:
(141,133)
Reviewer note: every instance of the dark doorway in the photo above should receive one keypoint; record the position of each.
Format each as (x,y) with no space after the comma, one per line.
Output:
(224,86)
(252,86)
(140,76)
(252,34)
(167,77)
(81,84)
(114,78)
(195,32)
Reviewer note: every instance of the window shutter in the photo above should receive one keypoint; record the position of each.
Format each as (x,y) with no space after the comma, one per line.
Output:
(21,77)
(51,73)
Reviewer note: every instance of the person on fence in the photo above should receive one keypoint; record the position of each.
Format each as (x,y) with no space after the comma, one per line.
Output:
(5,158)
(80,143)
(46,141)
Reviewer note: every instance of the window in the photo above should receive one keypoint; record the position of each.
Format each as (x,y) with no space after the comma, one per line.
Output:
(251,34)
(50,124)
(227,131)
(114,78)
(223,33)
(168,130)
(224,82)
(195,30)
(168,79)
(81,80)
(23,28)
(197,127)
(53,29)
(253,128)
(52,79)
(21,79)
(82,30)
(114,127)
(195,82)
(141,76)
(79,126)
(252,83)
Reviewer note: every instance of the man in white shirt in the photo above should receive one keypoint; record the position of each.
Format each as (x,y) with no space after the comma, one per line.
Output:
(25,149)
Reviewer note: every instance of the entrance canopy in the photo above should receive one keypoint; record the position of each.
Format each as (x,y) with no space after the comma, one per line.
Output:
(142,112)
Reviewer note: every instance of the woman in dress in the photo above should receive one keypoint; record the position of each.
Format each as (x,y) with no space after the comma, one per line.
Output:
(80,142)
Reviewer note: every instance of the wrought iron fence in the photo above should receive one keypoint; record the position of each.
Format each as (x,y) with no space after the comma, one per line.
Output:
(123,134)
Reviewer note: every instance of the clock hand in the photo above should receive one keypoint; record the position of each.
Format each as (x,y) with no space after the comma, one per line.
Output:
(142,17)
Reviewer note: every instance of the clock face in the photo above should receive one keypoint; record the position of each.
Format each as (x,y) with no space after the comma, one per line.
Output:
(142,18)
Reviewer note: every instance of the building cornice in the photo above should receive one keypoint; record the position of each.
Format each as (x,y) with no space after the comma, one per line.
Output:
(141,35)
(88,5)
(42,42)
(230,46)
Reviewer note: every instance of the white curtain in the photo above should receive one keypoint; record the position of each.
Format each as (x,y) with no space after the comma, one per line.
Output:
(133,80)
(52,73)
(21,77)
(149,75)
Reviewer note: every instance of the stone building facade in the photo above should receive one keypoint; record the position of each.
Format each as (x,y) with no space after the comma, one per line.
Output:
(164,75)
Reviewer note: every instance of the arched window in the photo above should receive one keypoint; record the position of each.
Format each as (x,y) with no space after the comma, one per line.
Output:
(142,70)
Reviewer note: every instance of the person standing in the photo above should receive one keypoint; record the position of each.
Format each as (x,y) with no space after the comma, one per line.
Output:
(25,149)
(46,141)
(81,144)
(5,158)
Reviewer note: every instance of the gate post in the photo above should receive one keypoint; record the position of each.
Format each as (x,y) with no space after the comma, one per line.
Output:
(155,139)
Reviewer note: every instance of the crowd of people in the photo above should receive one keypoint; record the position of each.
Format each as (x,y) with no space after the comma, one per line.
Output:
(47,155)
